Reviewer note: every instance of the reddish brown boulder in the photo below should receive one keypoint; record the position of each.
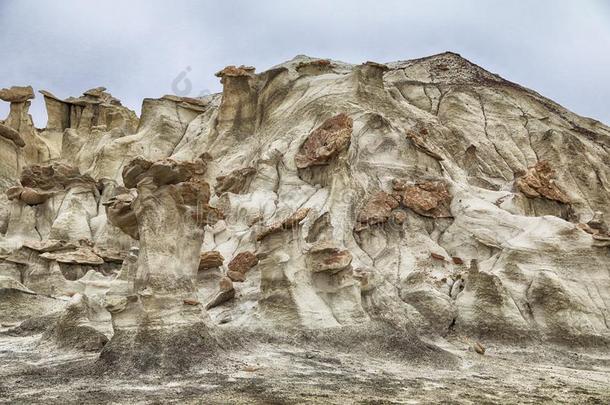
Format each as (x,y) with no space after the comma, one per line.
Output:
(31,196)
(234,182)
(457,260)
(211,259)
(437,256)
(326,256)
(377,209)
(288,223)
(429,199)
(420,143)
(325,142)
(539,181)
(243,262)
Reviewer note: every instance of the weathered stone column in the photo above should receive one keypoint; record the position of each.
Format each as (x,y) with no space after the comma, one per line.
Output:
(158,323)
(237,113)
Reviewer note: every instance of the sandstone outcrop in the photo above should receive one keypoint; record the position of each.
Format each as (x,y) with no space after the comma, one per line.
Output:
(17,94)
(327,257)
(161,172)
(243,262)
(353,203)
(430,199)
(377,209)
(94,109)
(41,182)
(209,260)
(539,181)
(80,326)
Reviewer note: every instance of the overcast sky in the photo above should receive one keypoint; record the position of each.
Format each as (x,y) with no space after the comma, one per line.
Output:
(137,49)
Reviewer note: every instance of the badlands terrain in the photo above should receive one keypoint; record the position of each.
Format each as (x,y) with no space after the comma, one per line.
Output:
(412,232)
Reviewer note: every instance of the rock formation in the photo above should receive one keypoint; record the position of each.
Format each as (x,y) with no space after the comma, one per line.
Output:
(423,197)
(171,209)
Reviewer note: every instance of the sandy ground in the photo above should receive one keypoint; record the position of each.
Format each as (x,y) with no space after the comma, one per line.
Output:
(277,374)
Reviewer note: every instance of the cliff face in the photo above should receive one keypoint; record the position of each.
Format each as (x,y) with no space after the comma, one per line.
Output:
(425,197)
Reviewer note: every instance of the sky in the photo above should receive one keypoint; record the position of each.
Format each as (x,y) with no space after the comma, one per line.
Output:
(141,49)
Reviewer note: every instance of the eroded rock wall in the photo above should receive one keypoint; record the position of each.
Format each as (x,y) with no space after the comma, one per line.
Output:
(429,196)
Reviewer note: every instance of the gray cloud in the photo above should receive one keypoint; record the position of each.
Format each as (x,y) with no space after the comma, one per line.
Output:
(559,48)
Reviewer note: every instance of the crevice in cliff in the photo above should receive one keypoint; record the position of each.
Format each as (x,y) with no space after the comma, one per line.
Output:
(525,116)
(490,140)
(428,97)
(440,99)
(451,327)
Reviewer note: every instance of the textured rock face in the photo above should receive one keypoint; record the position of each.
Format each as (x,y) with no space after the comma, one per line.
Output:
(427,196)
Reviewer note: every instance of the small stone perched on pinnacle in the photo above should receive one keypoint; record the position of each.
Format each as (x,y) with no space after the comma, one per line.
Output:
(17,94)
